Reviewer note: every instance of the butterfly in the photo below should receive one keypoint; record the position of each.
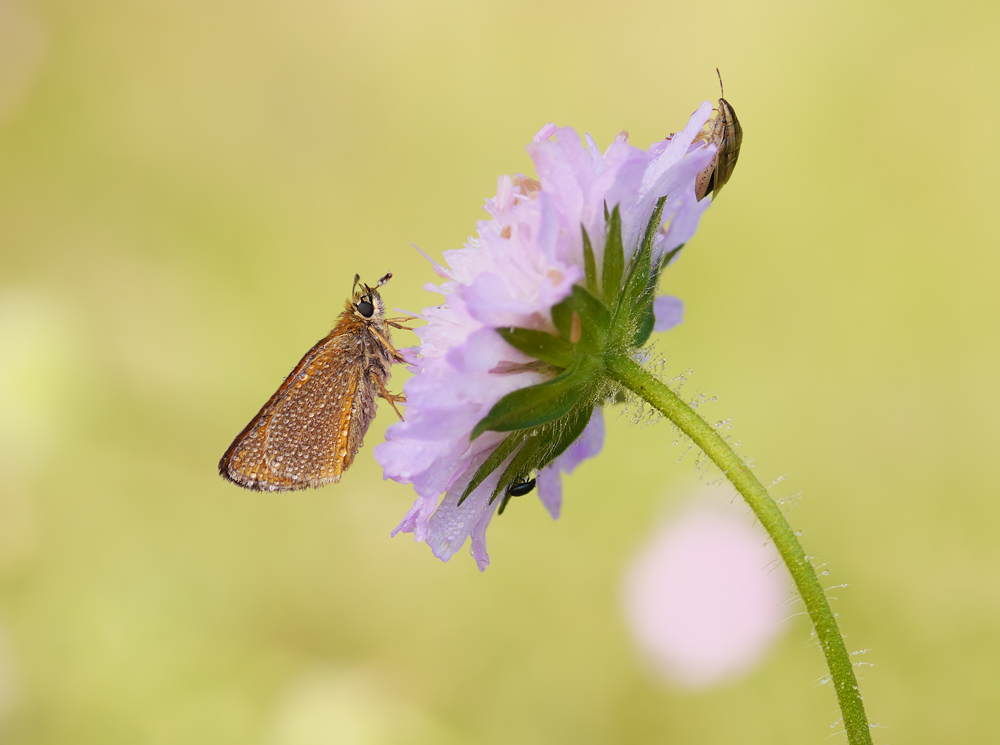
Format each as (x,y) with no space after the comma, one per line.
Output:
(309,431)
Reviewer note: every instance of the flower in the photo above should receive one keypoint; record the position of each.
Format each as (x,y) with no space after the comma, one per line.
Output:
(704,597)
(508,369)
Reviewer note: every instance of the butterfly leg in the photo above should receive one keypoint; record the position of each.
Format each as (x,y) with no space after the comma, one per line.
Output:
(392,398)
(394,353)
(397,323)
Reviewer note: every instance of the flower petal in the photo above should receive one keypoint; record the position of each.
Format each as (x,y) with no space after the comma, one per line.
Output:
(587,445)
(685,213)
(669,311)
(452,523)
(549,484)
(677,146)
(525,259)
(478,542)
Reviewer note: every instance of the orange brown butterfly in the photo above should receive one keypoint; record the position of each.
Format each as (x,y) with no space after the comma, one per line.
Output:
(309,431)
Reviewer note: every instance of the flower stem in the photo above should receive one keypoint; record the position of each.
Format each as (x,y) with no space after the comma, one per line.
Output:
(635,378)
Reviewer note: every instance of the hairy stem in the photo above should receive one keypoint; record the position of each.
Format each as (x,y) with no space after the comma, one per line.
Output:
(640,382)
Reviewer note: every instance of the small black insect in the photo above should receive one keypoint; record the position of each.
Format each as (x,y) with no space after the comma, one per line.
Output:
(516,490)
(519,490)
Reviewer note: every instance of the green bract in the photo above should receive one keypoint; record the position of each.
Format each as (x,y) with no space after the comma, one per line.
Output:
(604,320)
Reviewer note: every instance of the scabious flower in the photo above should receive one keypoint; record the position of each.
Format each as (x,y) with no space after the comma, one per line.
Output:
(509,372)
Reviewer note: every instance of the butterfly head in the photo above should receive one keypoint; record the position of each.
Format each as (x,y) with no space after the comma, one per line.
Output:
(367,302)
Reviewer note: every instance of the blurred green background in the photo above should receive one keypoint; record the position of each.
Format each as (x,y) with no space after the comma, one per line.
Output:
(186,191)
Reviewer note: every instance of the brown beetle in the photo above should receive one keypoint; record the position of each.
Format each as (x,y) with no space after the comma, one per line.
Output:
(727,134)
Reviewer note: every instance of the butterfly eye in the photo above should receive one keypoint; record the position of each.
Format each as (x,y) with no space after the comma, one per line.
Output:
(365,308)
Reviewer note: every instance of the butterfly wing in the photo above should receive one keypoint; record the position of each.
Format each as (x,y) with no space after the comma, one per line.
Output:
(308,433)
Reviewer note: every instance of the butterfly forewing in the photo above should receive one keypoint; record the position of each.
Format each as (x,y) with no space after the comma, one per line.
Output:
(317,429)
(309,432)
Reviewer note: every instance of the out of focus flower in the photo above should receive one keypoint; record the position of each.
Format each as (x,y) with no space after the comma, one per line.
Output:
(704,597)
(509,373)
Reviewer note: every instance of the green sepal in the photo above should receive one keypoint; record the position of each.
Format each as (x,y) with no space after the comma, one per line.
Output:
(614,258)
(503,504)
(645,319)
(589,263)
(637,286)
(635,303)
(653,226)
(540,345)
(523,461)
(668,257)
(570,429)
(595,319)
(542,403)
(541,447)
(498,456)
(644,329)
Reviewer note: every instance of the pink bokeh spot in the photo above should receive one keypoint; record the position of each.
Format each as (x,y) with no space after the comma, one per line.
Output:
(705,597)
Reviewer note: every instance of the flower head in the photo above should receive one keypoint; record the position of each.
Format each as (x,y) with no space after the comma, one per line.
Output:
(509,370)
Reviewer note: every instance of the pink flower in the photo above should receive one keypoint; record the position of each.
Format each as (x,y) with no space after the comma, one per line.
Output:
(526,259)
(704,597)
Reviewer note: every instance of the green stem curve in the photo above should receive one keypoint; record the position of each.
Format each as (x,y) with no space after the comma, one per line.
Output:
(627,372)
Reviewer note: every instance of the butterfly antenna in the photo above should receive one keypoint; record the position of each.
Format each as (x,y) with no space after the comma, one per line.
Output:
(386,278)
(722,91)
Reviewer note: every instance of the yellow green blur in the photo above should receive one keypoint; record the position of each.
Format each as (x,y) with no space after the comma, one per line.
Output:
(186,192)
